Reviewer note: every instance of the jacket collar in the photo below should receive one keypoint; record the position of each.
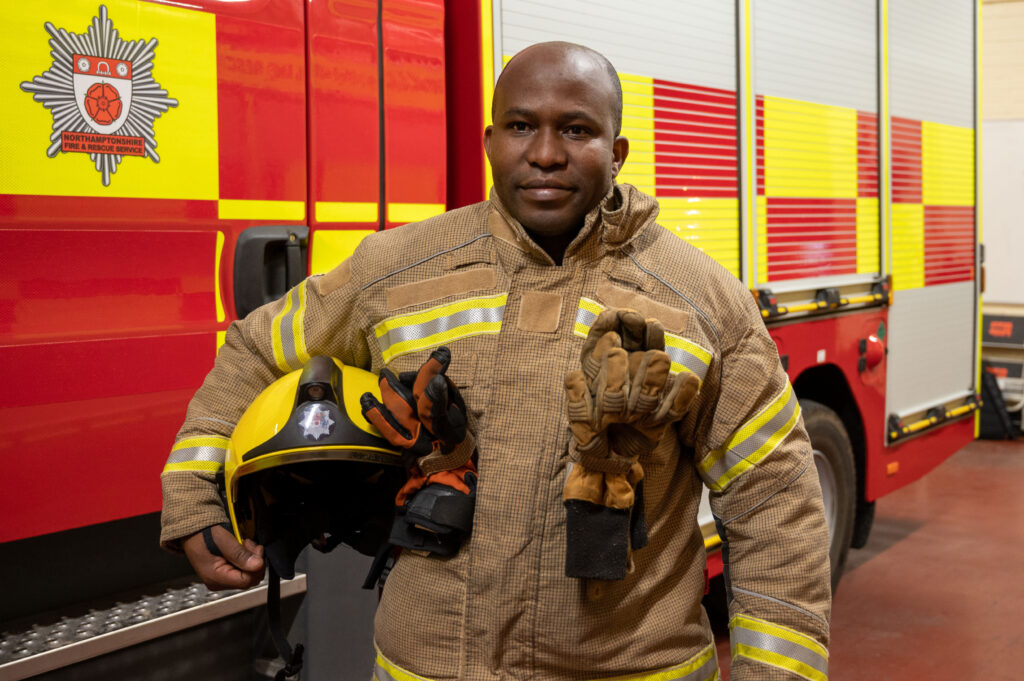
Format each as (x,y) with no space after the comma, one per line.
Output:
(616,221)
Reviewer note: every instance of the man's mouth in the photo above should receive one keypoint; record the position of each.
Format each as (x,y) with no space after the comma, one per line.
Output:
(545,190)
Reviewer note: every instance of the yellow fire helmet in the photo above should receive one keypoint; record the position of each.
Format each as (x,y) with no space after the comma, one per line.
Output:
(305,467)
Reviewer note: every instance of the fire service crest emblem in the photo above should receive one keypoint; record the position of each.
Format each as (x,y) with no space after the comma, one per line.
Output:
(101,92)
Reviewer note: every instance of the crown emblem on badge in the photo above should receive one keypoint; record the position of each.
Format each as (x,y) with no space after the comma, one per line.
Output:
(101,92)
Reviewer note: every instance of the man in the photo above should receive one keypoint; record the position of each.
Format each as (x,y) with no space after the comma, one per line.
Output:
(511,286)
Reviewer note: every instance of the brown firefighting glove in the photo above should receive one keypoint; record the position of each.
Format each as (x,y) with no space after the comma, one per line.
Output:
(619,406)
(423,413)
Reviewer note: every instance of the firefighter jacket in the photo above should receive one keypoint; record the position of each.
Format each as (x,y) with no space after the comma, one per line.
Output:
(502,607)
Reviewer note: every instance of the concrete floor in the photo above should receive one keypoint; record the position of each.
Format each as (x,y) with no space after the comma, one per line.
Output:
(938,591)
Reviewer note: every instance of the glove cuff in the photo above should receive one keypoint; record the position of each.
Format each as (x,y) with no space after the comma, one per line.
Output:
(435,462)
(597,541)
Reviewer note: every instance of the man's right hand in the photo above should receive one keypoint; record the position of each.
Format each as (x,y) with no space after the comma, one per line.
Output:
(240,567)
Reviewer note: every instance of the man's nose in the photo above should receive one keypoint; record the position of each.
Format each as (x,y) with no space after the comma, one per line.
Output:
(547,149)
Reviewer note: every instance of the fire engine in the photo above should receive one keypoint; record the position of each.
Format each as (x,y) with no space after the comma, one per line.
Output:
(169,165)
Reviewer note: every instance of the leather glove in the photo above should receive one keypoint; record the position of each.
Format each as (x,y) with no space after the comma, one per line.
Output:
(619,406)
(423,413)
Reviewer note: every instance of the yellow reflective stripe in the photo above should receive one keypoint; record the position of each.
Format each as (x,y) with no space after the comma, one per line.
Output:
(685,355)
(701,667)
(287,335)
(205,453)
(441,324)
(753,441)
(245,209)
(345,211)
(205,441)
(386,670)
(413,212)
(298,328)
(202,466)
(778,646)
(586,313)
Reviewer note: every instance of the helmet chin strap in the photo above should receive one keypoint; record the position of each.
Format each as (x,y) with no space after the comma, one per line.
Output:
(292,658)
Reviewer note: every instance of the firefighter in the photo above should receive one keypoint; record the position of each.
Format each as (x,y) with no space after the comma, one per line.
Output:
(606,369)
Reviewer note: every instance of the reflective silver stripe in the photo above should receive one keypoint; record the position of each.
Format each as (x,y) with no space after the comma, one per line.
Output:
(203,453)
(701,667)
(215,454)
(705,672)
(440,325)
(754,440)
(287,335)
(585,318)
(289,344)
(780,646)
(686,358)
(382,674)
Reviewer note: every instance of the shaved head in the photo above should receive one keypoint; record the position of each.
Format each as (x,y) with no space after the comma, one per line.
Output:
(562,49)
(554,146)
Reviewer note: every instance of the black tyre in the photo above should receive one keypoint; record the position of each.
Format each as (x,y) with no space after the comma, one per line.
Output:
(833,458)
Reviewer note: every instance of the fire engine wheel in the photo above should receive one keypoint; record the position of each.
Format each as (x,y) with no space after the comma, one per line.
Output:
(833,458)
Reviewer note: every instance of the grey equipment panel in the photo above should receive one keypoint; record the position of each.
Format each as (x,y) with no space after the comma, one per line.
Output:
(931,328)
(690,42)
(825,52)
(931,346)
(931,60)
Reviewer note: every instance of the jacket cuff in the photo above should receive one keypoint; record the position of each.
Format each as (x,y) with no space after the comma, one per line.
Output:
(191,502)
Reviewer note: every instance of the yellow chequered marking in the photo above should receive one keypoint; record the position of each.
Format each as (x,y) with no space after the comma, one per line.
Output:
(752,442)
(810,150)
(712,225)
(778,646)
(762,240)
(438,325)
(638,126)
(413,212)
(907,246)
(346,211)
(202,454)
(287,334)
(331,247)
(867,236)
(244,209)
(947,159)
(685,354)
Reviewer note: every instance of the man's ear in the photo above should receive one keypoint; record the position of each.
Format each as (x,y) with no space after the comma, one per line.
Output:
(487,140)
(620,150)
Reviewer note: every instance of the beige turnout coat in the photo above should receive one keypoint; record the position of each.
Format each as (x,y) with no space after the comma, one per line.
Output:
(502,608)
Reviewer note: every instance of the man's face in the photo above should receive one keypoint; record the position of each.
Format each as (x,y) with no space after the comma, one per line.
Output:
(553,148)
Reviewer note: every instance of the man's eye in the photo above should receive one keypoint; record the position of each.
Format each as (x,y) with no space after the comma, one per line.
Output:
(518,126)
(577,131)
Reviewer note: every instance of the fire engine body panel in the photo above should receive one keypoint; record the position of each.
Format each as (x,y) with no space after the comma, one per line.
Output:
(825,154)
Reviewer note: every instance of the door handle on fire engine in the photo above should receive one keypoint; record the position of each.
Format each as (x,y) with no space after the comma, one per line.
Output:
(269,260)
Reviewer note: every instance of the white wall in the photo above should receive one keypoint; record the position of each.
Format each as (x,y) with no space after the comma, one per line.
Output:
(1002,151)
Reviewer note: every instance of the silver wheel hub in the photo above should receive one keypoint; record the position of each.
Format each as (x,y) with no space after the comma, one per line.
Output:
(827,478)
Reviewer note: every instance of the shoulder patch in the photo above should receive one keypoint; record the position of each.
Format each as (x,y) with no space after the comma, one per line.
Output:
(614,296)
(335,279)
(429,290)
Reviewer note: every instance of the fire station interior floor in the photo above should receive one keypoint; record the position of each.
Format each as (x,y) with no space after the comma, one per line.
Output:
(936,593)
